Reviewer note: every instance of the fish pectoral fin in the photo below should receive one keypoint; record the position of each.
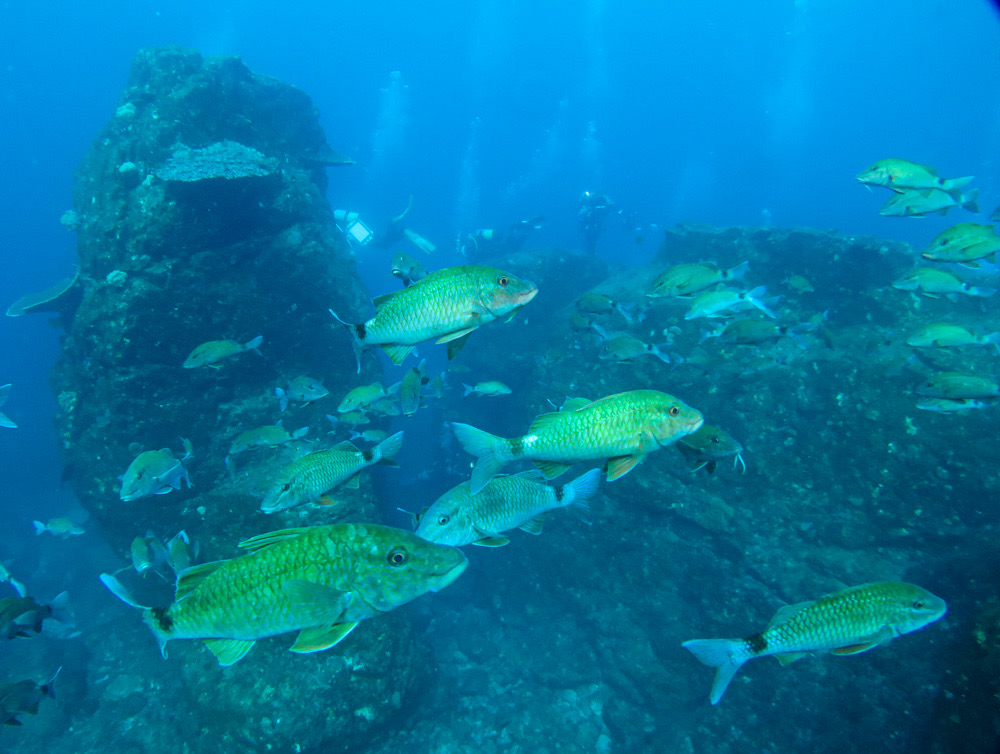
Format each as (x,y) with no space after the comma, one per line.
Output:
(552,469)
(229,651)
(454,346)
(855,649)
(271,538)
(621,465)
(534,526)
(318,638)
(397,353)
(188,581)
(492,541)
(787,658)
(455,335)
(326,499)
(354,482)
(322,604)
(787,612)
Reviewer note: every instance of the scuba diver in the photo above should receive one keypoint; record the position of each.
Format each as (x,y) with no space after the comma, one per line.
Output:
(358,234)
(480,242)
(593,209)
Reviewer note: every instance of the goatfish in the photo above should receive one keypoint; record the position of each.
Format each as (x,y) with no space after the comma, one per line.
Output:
(947,335)
(448,305)
(155,472)
(518,501)
(923,202)
(903,175)
(964,243)
(704,448)
(24,697)
(687,279)
(723,302)
(303,389)
(932,282)
(320,581)
(957,386)
(309,478)
(209,354)
(268,436)
(488,388)
(5,421)
(623,428)
(848,622)
(64,528)
(407,269)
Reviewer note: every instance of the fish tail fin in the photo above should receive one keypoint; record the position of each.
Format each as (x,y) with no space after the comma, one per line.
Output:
(39,527)
(661,352)
(356,343)
(468,388)
(151,617)
(755,296)
(300,433)
(626,310)
(484,447)
(970,201)
(49,687)
(718,654)
(59,609)
(389,447)
(578,492)
(954,186)
(253,344)
(282,398)
(976,290)
(737,272)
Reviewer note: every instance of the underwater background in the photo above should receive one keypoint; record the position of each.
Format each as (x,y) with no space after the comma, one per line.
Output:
(724,132)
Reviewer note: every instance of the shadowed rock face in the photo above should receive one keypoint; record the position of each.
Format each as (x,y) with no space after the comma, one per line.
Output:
(202,216)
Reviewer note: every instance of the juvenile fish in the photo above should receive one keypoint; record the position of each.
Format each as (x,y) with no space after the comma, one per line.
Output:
(211,353)
(488,388)
(519,501)
(448,305)
(623,428)
(320,581)
(708,445)
(687,279)
(268,436)
(303,389)
(847,622)
(307,479)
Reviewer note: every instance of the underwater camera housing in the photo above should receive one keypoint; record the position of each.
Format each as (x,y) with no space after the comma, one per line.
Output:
(352,226)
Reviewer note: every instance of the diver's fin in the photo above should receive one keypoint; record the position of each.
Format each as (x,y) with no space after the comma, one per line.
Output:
(229,651)
(270,538)
(318,638)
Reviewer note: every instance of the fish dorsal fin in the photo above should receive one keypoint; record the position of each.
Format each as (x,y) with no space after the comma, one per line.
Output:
(318,638)
(494,541)
(379,301)
(621,465)
(530,475)
(255,544)
(534,526)
(545,421)
(228,651)
(454,346)
(552,469)
(188,581)
(788,612)
(397,354)
(346,445)
(575,404)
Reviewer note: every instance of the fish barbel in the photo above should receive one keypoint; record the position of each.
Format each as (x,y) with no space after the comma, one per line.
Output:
(448,305)
(623,428)
(847,622)
(320,581)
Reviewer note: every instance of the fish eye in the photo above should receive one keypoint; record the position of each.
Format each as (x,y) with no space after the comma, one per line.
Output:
(442,520)
(502,281)
(674,411)
(286,486)
(397,556)
(715,439)
(918,605)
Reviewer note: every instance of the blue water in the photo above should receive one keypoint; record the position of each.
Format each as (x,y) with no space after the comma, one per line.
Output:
(491,112)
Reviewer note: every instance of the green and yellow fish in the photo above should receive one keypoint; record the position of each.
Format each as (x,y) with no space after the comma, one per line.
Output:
(947,335)
(518,501)
(307,479)
(320,581)
(623,428)
(687,279)
(448,305)
(704,448)
(847,622)
(269,436)
(209,354)
(903,175)
(958,385)
(964,243)
(932,282)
